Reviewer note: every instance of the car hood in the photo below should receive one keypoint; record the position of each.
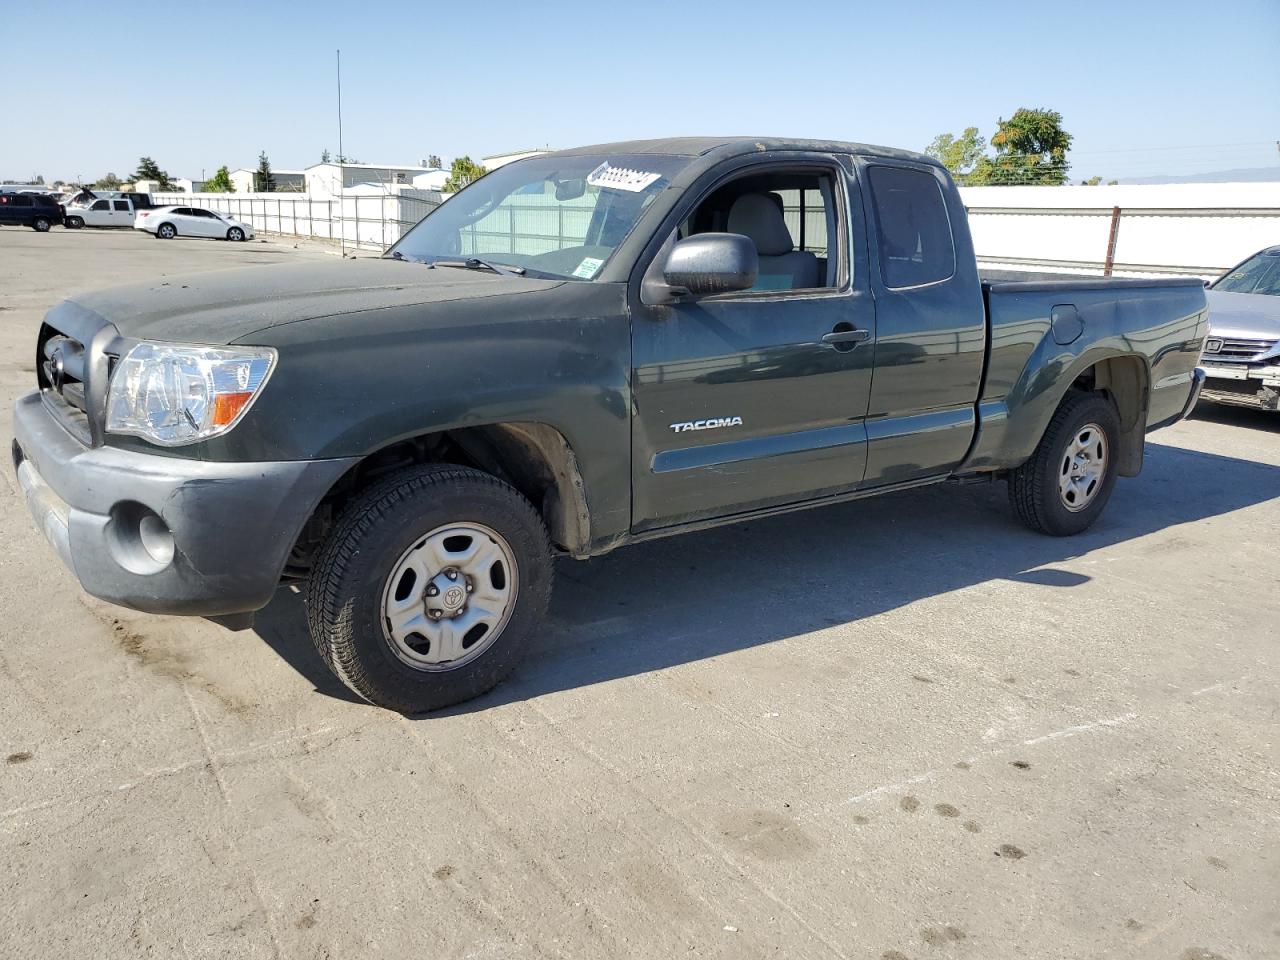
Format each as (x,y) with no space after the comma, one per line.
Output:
(1246,316)
(228,305)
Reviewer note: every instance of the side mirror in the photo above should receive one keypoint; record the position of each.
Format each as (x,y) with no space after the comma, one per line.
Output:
(711,263)
(1208,284)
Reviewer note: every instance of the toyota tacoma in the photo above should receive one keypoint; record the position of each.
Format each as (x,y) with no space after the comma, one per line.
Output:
(579,350)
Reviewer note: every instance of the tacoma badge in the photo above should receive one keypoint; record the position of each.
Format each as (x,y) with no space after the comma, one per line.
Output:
(712,423)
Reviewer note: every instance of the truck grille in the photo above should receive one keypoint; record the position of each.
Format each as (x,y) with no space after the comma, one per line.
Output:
(1235,350)
(68,365)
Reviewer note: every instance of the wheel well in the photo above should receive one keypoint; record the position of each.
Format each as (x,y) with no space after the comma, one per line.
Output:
(1124,380)
(534,458)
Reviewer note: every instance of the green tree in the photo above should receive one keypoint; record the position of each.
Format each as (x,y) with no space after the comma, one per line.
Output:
(109,182)
(434,161)
(148,169)
(324,155)
(1031,148)
(220,182)
(959,154)
(263,180)
(38,178)
(1091,182)
(463,171)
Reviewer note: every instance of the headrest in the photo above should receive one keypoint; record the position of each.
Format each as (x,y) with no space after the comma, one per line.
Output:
(756,215)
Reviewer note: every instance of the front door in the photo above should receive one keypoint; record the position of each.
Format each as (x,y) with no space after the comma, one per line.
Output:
(98,214)
(739,402)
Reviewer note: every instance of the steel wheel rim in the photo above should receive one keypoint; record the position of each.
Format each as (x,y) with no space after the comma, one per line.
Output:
(430,619)
(1083,467)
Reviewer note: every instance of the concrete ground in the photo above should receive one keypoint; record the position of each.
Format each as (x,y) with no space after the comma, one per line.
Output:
(945,737)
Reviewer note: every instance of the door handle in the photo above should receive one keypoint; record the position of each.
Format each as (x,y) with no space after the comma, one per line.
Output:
(846,337)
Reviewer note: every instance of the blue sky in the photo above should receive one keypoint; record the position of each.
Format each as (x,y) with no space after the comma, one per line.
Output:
(1145,87)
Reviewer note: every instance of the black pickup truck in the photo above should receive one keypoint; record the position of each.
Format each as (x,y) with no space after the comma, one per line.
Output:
(580,350)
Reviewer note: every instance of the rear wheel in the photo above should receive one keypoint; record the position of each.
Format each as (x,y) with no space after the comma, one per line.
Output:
(429,588)
(1067,482)
(235,234)
(41,224)
(166,231)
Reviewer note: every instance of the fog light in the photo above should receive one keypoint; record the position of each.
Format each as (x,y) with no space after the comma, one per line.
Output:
(156,538)
(139,540)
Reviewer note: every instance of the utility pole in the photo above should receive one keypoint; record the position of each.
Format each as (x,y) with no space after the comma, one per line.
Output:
(342,159)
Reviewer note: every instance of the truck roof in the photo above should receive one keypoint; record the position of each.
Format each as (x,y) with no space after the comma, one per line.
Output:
(731,146)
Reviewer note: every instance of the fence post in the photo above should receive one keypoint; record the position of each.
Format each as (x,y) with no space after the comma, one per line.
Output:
(1111,242)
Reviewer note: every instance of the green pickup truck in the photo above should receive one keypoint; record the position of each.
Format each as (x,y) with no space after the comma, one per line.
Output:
(578,351)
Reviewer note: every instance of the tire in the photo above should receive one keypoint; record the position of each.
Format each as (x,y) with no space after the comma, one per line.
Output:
(41,224)
(74,223)
(235,234)
(1066,484)
(166,231)
(361,573)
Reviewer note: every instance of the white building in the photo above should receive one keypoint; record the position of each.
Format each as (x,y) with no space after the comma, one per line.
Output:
(189,186)
(328,179)
(501,159)
(286,180)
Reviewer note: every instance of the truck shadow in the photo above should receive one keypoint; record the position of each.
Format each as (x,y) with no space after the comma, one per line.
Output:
(687,598)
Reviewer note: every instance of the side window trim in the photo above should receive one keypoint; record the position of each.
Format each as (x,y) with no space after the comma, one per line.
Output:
(732,170)
(873,218)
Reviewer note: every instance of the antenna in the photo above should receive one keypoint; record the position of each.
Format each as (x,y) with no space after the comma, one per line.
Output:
(342,158)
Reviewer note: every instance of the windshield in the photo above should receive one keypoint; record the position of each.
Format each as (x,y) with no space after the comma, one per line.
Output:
(1259,274)
(554,216)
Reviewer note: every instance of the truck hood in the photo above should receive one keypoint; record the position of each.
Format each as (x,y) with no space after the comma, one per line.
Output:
(1245,316)
(228,305)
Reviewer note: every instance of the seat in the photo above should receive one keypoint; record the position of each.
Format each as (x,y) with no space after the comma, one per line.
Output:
(782,267)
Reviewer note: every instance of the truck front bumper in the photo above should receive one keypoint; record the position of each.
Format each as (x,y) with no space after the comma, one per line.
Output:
(164,534)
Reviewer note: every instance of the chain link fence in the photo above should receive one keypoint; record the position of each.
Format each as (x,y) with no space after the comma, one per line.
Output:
(363,221)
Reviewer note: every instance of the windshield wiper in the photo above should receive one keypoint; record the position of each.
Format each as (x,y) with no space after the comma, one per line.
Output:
(475,263)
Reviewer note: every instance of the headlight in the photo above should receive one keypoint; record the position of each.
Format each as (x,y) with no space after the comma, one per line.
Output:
(171,394)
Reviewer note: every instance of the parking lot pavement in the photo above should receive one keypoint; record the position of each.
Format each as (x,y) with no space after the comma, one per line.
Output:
(898,728)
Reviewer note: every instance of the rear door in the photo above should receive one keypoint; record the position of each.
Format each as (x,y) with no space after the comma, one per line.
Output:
(182,221)
(16,208)
(121,213)
(930,323)
(739,403)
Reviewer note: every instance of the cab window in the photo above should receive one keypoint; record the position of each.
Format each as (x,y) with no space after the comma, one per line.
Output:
(789,215)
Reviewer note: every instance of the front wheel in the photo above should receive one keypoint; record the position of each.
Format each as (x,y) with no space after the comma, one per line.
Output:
(166,231)
(74,223)
(235,234)
(1067,482)
(41,225)
(430,587)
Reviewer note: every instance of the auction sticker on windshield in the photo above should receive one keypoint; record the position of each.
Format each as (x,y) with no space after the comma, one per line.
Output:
(588,267)
(621,178)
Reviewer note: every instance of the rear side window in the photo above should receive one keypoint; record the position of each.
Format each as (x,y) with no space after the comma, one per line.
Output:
(915,234)
(121,205)
(21,200)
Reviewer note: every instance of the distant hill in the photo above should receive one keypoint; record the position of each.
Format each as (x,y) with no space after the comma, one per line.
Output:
(1251,175)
